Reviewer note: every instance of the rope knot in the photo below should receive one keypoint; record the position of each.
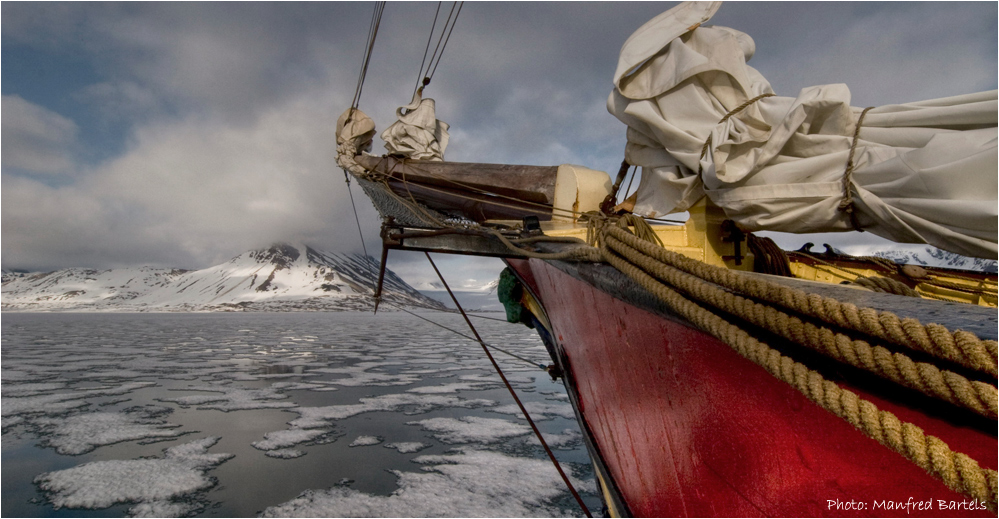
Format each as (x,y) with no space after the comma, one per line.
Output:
(846,204)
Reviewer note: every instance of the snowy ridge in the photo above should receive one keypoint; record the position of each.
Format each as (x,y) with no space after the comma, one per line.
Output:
(281,278)
(925,255)
(469,285)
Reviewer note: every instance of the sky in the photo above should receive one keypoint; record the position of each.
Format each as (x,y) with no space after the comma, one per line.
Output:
(182,134)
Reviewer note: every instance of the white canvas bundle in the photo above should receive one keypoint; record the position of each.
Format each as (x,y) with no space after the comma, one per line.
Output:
(924,172)
(417,134)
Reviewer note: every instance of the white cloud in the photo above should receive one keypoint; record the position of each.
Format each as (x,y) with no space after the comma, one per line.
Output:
(228,112)
(196,190)
(35,139)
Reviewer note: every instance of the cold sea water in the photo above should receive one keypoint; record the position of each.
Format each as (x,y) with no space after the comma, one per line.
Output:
(314,414)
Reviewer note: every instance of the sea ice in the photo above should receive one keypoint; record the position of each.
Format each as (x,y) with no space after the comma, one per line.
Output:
(162,508)
(287,438)
(83,433)
(470,429)
(58,403)
(569,438)
(363,441)
(232,398)
(30,388)
(407,447)
(538,410)
(446,388)
(285,454)
(311,417)
(466,483)
(101,484)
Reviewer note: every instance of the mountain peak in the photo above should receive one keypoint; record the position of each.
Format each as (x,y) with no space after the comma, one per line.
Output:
(282,255)
(282,277)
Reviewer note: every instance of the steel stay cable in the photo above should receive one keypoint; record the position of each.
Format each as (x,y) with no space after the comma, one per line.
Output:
(376,19)
(473,339)
(453,23)
(360,234)
(513,393)
(430,38)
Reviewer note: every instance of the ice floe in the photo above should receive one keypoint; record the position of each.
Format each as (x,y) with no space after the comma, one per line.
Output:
(228,398)
(78,389)
(407,447)
(567,439)
(537,410)
(101,484)
(59,403)
(83,433)
(311,417)
(287,438)
(285,454)
(362,441)
(470,429)
(447,388)
(466,483)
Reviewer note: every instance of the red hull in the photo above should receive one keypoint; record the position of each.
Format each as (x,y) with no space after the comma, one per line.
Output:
(685,426)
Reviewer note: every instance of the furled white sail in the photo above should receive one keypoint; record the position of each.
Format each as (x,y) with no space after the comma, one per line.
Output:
(418,134)
(923,172)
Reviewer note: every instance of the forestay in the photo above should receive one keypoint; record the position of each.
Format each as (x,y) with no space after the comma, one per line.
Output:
(923,172)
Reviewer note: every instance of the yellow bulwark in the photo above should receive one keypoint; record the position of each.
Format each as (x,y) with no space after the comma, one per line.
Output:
(699,238)
(702,239)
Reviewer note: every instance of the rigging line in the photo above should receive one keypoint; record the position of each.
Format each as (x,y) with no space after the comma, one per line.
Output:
(460,5)
(439,39)
(430,38)
(513,393)
(452,330)
(369,46)
(356,219)
(364,62)
(376,19)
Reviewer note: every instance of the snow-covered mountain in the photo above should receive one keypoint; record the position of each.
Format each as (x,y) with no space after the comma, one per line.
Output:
(280,278)
(925,255)
(470,285)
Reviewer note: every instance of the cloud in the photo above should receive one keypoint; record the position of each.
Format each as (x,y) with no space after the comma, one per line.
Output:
(887,53)
(197,190)
(224,112)
(36,140)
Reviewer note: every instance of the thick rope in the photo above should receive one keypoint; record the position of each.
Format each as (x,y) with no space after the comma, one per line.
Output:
(961,347)
(875,283)
(958,471)
(886,285)
(896,367)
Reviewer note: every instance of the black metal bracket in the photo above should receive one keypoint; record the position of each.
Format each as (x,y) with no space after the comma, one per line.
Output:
(736,237)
